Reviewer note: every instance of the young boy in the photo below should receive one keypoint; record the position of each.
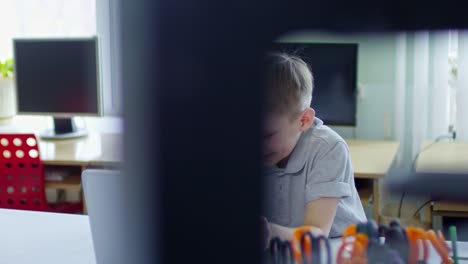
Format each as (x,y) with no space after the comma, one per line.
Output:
(308,173)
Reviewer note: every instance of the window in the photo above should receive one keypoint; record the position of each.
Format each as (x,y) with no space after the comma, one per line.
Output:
(59,18)
(453,73)
(45,18)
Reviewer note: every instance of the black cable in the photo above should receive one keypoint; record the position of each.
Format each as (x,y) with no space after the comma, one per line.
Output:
(449,136)
(452,135)
(401,204)
(421,207)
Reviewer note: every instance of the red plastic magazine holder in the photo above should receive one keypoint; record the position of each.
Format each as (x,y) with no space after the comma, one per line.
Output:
(22,184)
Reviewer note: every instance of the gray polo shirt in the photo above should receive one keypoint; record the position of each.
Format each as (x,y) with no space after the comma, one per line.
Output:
(319,166)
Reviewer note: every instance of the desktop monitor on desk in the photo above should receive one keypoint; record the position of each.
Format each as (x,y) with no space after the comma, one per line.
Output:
(58,77)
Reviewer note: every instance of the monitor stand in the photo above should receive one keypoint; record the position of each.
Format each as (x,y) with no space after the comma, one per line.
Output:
(64,128)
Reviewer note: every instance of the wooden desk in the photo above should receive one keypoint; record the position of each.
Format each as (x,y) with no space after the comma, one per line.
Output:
(445,157)
(371,160)
(38,237)
(96,150)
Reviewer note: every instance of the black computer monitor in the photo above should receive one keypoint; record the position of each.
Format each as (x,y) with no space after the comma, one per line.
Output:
(58,77)
(334,66)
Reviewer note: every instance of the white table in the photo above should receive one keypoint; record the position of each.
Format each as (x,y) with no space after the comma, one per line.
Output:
(335,244)
(37,237)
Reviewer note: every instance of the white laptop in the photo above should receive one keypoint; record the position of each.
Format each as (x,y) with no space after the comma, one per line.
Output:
(101,191)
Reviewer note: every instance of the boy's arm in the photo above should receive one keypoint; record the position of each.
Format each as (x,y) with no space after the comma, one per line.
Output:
(285,233)
(320,213)
(326,185)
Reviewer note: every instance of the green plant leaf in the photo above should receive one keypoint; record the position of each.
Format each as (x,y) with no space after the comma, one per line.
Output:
(3,71)
(9,65)
(6,68)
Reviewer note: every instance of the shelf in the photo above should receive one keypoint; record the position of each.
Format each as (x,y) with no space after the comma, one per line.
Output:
(365,190)
(450,206)
(72,182)
(366,195)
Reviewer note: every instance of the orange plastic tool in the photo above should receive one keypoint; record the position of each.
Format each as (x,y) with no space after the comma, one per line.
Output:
(353,252)
(440,246)
(417,238)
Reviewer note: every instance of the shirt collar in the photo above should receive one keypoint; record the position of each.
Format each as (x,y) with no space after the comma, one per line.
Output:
(298,156)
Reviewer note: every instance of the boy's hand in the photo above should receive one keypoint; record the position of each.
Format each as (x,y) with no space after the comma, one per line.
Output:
(266,233)
(287,233)
(271,230)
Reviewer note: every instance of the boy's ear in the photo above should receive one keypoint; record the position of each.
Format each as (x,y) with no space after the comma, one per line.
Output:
(307,118)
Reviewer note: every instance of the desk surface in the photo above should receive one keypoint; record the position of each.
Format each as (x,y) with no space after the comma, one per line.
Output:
(443,157)
(102,147)
(36,237)
(372,159)
(95,149)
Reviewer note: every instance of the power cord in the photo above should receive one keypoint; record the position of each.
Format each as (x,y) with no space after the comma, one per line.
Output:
(452,135)
(401,204)
(422,206)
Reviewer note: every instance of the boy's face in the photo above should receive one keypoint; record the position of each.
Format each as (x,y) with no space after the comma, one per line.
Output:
(281,133)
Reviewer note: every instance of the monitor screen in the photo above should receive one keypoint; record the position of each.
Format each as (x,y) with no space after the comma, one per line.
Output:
(334,67)
(57,76)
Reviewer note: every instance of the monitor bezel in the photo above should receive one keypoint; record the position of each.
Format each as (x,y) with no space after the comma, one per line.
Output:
(99,113)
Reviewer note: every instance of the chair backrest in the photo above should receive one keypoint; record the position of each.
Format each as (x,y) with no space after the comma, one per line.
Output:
(21,173)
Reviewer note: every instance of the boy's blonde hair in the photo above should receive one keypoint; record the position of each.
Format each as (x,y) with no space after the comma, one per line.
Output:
(289,84)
